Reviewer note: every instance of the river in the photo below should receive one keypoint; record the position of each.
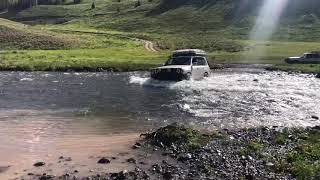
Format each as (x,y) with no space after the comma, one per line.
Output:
(39,110)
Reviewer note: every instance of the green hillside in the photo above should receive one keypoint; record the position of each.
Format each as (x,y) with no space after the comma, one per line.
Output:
(221,27)
(233,18)
(19,36)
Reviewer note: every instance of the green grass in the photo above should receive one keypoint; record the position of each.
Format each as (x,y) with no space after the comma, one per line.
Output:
(303,162)
(116,59)
(273,52)
(98,50)
(253,147)
(104,29)
(19,36)
(180,136)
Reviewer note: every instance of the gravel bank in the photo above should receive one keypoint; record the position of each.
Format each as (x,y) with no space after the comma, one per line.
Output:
(177,152)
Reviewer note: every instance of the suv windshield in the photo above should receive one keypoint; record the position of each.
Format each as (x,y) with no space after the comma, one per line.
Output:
(179,61)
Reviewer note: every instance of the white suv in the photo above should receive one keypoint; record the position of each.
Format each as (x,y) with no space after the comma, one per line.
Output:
(183,64)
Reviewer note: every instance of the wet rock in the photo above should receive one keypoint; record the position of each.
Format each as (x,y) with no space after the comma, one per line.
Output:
(318,75)
(217,66)
(119,176)
(185,157)
(30,174)
(315,117)
(131,160)
(157,168)
(317,128)
(168,152)
(249,177)
(68,159)
(4,168)
(168,176)
(136,146)
(75,171)
(256,80)
(269,164)
(250,158)
(39,164)
(46,177)
(104,161)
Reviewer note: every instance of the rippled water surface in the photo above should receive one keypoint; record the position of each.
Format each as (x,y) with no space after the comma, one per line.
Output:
(38,106)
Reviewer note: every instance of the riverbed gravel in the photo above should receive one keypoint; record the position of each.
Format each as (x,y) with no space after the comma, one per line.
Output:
(252,153)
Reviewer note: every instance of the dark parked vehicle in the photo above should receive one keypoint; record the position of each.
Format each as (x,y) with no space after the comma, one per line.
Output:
(307,58)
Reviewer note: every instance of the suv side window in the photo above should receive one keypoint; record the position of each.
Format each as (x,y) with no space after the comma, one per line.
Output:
(309,56)
(199,61)
(316,55)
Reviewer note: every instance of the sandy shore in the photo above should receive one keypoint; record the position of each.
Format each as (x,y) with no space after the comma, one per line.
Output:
(69,154)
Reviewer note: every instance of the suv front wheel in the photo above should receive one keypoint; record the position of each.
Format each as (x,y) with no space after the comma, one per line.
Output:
(188,76)
(206,74)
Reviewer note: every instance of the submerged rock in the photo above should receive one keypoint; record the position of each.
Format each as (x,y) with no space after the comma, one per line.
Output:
(137,145)
(4,168)
(38,164)
(131,160)
(68,159)
(46,177)
(185,157)
(104,161)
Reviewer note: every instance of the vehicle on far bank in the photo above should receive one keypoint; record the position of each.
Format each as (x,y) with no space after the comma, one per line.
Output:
(307,58)
(183,64)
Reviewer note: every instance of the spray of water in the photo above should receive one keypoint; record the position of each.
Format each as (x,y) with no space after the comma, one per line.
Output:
(266,23)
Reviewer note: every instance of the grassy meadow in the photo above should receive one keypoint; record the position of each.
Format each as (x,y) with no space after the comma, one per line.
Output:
(66,37)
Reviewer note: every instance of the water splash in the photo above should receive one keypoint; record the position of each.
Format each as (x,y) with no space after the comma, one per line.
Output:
(237,99)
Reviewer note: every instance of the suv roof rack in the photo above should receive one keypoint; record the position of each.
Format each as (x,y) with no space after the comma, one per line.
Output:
(189,52)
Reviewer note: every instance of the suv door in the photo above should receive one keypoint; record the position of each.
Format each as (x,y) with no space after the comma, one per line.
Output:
(199,67)
(317,58)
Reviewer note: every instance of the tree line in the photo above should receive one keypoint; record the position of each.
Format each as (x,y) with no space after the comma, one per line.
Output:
(12,5)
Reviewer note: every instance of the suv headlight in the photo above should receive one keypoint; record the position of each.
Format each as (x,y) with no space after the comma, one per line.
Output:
(155,71)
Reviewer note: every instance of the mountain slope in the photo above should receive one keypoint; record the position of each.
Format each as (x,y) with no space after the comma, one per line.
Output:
(230,18)
(19,36)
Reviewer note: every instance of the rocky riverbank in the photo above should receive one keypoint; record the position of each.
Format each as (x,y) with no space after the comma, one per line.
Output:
(177,152)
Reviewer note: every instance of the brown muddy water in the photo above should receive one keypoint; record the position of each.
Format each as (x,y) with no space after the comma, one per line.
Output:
(86,115)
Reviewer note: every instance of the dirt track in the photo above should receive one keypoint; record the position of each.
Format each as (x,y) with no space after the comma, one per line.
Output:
(149,46)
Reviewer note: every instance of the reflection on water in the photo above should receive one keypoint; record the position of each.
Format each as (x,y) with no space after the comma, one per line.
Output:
(38,109)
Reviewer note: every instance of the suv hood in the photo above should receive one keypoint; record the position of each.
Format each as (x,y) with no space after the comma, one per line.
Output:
(175,67)
(294,57)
